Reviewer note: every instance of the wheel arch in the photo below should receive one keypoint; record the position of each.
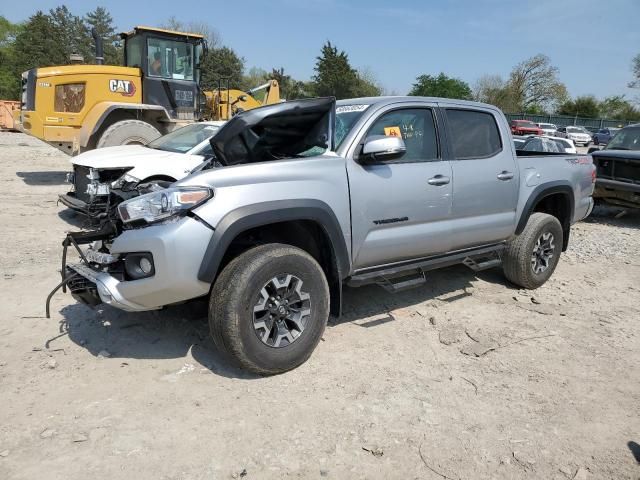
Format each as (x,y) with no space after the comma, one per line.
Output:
(307,224)
(553,198)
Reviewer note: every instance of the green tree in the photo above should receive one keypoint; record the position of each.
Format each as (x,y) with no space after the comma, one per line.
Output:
(334,75)
(441,86)
(584,106)
(101,20)
(290,88)
(222,64)
(368,85)
(37,44)
(71,34)
(254,78)
(492,89)
(535,82)
(618,107)
(9,79)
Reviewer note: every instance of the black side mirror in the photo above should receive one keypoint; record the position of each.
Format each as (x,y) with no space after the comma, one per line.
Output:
(382,148)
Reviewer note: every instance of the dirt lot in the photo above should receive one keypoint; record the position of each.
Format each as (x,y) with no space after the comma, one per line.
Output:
(467,378)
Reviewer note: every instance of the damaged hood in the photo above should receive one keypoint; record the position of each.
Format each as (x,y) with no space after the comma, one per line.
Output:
(125,156)
(283,130)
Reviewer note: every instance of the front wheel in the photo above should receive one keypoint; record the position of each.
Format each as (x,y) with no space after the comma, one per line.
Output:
(532,256)
(269,308)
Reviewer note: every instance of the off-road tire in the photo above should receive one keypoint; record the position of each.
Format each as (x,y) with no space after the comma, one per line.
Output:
(236,292)
(517,258)
(126,132)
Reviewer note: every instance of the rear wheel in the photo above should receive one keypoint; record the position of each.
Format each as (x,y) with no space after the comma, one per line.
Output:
(269,307)
(532,256)
(128,132)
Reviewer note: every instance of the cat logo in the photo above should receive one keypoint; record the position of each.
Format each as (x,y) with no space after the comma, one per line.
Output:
(124,87)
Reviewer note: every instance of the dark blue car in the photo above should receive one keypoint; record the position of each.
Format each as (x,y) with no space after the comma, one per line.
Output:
(602,136)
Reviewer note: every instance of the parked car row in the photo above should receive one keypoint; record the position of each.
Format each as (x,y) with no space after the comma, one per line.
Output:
(301,198)
(578,134)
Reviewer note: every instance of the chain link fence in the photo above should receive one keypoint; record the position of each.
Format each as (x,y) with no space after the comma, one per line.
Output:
(563,120)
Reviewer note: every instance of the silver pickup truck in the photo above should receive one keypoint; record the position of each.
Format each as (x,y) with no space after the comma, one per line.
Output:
(310,195)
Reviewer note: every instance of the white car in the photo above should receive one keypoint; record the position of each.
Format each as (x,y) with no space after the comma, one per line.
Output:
(97,173)
(578,134)
(547,145)
(567,144)
(548,129)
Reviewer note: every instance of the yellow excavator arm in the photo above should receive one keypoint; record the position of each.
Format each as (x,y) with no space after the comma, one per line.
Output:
(222,103)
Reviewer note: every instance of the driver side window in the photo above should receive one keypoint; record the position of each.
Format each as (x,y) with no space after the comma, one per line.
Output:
(416,127)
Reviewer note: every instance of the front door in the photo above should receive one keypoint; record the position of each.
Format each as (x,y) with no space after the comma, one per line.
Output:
(401,208)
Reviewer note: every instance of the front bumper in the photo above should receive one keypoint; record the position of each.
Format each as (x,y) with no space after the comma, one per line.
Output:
(106,288)
(582,141)
(70,200)
(618,193)
(177,248)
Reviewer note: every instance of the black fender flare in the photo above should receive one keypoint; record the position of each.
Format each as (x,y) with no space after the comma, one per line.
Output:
(266,213)
(538,194)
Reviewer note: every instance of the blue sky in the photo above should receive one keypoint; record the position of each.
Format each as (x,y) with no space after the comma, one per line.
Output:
(591,42)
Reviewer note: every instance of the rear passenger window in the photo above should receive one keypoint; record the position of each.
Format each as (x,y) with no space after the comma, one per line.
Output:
(417,129)
(474,134)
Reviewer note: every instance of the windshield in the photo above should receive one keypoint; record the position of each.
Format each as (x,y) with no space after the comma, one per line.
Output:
(575,130)
(625,139)
(346,117)
(185,138)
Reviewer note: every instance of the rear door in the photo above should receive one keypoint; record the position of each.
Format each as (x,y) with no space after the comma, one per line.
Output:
(401,209)
(485,190)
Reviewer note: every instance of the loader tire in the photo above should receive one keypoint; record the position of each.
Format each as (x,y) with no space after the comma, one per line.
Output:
(128,132)
(269,307)
(532,256)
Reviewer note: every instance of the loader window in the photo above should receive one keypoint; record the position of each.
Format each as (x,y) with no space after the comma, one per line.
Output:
(69,98)
(169,59)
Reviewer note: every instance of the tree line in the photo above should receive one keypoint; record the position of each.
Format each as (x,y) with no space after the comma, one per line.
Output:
(533,86)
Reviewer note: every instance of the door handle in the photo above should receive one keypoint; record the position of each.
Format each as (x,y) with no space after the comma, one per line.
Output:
(504,175)
(438,180)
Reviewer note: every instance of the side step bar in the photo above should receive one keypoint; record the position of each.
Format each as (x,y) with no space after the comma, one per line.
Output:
(412,272)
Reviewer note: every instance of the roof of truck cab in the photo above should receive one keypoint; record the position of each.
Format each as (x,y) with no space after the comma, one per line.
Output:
(139,28)
(389,99)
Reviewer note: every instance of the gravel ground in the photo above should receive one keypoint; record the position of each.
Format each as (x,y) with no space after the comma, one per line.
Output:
(465,378)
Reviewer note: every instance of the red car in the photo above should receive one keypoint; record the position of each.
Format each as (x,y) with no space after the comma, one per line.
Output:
(525,127)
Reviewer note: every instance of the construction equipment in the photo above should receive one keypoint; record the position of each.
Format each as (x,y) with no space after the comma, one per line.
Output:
(7,110)
(80,107)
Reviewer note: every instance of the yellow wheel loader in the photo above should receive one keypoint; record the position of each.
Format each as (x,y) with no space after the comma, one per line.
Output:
(80,107)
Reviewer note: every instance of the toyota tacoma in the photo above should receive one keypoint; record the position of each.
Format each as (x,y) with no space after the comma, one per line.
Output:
(311,195)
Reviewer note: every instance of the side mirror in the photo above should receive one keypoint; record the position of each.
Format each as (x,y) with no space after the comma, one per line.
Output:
(382,148)
(592,149)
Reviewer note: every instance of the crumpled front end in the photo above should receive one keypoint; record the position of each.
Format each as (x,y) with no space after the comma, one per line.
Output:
(92,189)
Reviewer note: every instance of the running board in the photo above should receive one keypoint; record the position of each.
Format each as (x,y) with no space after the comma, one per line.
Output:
(483,265)
(395,285)
(489,254)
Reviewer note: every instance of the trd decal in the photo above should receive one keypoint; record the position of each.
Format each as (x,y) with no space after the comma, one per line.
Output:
(391,220)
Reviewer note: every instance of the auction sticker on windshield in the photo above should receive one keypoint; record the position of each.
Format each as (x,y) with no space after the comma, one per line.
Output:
(351,108)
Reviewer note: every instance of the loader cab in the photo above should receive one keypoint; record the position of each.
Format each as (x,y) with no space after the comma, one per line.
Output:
(170,65)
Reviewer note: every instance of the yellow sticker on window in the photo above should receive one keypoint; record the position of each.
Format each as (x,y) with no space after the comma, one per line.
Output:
(392,132)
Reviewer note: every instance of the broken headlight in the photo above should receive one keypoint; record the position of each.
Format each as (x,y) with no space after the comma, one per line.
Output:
(163,204)
(125,181)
